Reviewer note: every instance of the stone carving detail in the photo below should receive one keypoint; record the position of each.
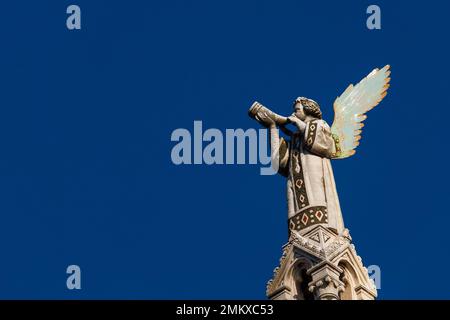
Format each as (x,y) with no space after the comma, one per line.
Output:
(286,249)
(325,283)
(320,246)
(335,245)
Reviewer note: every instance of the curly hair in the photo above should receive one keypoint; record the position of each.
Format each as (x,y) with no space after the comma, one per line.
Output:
(310,107)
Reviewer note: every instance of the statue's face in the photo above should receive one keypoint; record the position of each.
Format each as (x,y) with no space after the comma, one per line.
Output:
(299,111)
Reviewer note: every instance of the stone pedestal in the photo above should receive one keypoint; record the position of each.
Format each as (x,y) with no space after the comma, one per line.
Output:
(319,264)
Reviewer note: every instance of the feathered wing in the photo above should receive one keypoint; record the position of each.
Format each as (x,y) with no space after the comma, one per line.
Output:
(350,109)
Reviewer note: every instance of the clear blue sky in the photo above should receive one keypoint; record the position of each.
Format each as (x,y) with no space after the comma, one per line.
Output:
(86,116)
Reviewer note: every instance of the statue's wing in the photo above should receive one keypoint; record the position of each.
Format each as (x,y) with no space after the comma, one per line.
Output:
(350,109)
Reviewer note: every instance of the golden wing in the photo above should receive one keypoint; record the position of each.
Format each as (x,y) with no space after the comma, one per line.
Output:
(350,109)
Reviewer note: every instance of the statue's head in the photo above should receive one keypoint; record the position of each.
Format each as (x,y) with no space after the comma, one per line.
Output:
(306,107)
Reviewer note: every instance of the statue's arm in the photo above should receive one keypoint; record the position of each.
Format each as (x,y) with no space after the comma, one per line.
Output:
(264,118)
(274,143)
(279,150)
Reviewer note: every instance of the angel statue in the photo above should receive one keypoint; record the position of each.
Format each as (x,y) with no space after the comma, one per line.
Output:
(304,158)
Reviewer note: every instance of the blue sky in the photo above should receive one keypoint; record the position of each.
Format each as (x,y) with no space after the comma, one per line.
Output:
(86,116)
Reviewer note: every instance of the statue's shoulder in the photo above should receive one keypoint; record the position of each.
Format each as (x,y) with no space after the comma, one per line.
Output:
(320,123)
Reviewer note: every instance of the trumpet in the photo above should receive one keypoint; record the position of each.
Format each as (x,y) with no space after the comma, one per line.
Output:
(260,113)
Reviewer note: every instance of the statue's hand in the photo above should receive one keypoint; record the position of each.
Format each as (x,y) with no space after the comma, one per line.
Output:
(293,119)
(301,125)
(263,118)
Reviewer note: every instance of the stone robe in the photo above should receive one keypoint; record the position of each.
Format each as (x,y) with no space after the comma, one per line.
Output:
(311,190)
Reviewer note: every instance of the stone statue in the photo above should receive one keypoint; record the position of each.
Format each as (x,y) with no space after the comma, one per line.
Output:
(304,156)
